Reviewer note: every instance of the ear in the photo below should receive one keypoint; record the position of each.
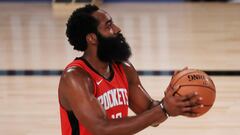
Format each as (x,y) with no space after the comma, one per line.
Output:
(91,38)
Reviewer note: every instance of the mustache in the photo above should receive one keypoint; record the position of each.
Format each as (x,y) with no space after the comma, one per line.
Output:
(120,36)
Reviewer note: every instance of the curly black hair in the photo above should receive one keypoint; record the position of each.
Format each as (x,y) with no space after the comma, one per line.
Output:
(79,24)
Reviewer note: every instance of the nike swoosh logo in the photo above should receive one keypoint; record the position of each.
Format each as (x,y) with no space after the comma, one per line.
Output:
(99,82)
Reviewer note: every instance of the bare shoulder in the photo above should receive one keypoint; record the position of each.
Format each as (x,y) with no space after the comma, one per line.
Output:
(130,72)
(127,66)
(75,72)
(75,76)
(74,80)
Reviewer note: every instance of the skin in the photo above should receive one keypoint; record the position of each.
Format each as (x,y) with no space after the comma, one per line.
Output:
(76,93)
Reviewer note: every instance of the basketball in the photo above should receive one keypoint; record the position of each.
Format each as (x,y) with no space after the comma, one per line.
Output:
(192,80)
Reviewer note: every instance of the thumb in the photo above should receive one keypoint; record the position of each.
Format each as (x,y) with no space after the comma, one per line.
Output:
(171,90)
(175,89)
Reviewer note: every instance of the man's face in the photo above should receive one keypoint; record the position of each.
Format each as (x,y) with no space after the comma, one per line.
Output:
(112,46)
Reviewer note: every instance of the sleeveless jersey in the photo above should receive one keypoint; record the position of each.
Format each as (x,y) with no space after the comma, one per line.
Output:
(111,93)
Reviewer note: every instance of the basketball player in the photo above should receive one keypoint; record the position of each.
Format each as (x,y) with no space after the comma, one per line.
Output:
(97,88)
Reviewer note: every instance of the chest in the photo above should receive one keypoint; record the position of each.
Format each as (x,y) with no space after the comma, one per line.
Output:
(113,96)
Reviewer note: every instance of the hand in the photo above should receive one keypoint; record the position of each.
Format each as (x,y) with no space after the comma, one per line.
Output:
(175,72)
(181,105)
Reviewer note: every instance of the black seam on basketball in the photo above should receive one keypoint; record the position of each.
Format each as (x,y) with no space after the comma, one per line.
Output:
(212,82)
(176,93)
(200,86)
(183,76)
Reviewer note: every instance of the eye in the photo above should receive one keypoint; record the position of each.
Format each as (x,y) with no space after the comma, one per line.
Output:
(109,26)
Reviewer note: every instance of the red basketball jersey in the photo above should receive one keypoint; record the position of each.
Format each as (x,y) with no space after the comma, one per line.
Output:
(111,93)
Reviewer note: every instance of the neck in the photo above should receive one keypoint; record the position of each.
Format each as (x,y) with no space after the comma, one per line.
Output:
(101,67)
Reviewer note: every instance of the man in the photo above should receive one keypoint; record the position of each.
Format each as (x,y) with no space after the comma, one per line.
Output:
(96,89)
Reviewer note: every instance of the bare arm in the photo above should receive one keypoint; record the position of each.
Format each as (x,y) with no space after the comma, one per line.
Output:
(140,101)
(75,92)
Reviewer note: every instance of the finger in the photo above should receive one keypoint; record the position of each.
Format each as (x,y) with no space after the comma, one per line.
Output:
(186,109)
(189,96)
(196,100)
(189,111)
(191,102)
(169,88)
(190,114)
(173,90)
(197,106)
(191,108)
(185,104)
(176,87)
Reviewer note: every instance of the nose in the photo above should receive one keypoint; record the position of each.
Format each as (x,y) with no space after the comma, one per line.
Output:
(116,29)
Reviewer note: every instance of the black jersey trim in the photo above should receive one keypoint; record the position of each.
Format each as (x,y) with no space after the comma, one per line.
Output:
(94,70)
(74,123)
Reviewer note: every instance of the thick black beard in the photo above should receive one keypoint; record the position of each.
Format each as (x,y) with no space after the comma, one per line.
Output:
(113,49)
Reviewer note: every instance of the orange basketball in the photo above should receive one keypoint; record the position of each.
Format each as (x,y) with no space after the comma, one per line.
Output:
(191,80)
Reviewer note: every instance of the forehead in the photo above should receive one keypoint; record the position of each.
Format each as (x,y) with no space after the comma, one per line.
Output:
(102,16)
